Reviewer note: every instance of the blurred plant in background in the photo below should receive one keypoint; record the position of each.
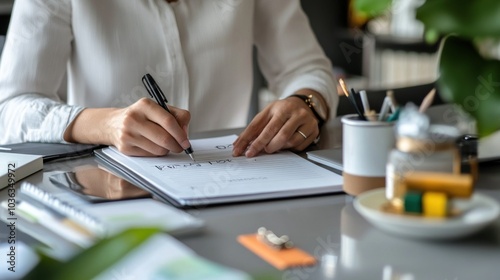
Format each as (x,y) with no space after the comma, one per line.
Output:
(469,64)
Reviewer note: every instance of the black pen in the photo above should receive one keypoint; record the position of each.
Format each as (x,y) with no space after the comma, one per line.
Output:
(352,99)
(156,93)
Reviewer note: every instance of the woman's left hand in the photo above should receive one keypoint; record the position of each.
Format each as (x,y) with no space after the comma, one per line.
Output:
(284,124)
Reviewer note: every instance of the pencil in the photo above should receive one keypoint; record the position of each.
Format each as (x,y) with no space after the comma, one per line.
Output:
(426,103)
(385,109)
(351,99)
(393,103)
(364,101)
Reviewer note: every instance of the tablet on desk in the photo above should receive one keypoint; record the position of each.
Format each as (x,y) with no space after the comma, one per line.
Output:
(486,149)
(96,185)
(328,157)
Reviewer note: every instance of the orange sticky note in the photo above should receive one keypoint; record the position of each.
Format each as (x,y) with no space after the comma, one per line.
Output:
(281,259)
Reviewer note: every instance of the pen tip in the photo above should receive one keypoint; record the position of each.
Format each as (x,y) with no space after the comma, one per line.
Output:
(192,157)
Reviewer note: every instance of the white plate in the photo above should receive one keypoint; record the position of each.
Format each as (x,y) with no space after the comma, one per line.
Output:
(477,213)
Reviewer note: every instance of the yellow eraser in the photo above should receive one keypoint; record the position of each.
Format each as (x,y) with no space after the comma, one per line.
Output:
(435,204)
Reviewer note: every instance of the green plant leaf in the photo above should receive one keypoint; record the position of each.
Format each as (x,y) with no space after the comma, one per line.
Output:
(472,82)
(463,17)
(372,7)
(94,260)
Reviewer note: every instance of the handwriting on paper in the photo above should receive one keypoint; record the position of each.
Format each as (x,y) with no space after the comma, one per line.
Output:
(193,164)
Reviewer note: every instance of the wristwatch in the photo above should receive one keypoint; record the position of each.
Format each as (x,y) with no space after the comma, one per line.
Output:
(319,110)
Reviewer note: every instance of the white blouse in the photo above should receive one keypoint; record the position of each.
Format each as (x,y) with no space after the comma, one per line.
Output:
(61,56)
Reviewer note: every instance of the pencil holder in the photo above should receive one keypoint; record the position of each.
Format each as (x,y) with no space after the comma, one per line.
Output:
(365,147)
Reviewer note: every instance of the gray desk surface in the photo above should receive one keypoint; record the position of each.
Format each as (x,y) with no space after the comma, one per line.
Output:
(329,228)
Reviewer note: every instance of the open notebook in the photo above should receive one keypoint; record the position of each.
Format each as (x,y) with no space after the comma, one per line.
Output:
(217,177)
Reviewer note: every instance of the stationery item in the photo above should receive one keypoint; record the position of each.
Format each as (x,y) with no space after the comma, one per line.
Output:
(155,91)
(328,157)
(34,208)
(218,177)
(413,202)
(353,95)
(351,99)
(107,218)
(428,204)
(55,245)
(385,109)
(366,146)
(163,257)
(426,103)
(281,259)
(394,103)
(14,167)
(51,151)
(454,185)
(55,222)
(394,116)
(65,204)
(146,212)
(364,101)
(435,204)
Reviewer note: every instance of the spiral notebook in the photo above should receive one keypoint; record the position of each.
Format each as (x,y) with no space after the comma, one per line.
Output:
(80,222)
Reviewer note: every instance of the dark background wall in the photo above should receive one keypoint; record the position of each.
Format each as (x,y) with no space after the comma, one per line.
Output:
(329,21)
(328,18)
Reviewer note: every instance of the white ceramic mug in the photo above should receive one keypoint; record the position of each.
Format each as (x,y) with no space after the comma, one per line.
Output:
(365,150)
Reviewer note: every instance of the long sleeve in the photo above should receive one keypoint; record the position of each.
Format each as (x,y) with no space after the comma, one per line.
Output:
(35,118)
(32,69)
(200,53)
(288,53)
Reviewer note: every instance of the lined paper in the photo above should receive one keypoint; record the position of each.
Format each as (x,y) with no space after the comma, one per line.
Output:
(216,173)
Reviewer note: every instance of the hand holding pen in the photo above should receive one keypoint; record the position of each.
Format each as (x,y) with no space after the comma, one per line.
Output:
(140,129)
(156,93)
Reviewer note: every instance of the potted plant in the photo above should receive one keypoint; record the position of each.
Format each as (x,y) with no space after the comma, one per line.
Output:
(469,74)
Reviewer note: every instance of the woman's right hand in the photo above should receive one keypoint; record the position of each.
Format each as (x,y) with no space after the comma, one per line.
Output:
(141,129)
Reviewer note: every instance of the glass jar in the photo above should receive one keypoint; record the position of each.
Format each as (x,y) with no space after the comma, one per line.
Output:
(437,152)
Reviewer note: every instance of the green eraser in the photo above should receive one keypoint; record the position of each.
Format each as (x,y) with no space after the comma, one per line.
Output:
(413,202)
